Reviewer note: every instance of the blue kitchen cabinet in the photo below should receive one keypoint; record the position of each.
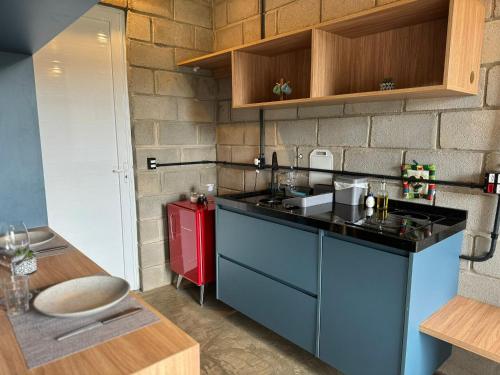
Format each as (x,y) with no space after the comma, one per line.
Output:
(269,272)
(363,293)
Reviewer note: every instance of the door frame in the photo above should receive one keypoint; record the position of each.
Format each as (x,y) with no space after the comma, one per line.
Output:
(125,169)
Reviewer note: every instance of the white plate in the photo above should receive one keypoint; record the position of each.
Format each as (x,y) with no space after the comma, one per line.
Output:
(37,238)
(81,297)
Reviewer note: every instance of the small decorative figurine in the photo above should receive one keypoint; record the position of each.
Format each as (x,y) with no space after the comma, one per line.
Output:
(387,84)
(282,88)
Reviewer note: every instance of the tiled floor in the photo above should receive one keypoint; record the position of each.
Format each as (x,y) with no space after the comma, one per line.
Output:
(230,342)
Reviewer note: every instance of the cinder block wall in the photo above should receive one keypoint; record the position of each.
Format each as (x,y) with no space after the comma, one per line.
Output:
(173,115)
(460,135)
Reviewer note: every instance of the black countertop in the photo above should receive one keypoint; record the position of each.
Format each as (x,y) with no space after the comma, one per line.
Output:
(346,220)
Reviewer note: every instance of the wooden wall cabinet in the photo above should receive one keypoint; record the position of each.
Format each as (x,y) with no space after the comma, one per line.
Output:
(430,48)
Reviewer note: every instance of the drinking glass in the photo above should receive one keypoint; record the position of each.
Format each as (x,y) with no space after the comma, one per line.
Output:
(16,295)
(14,244)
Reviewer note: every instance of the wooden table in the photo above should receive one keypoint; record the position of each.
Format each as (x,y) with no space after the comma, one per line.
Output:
(468,324)
(160,348)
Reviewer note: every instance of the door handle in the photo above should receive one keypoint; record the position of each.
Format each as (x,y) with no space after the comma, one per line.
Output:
(118,170)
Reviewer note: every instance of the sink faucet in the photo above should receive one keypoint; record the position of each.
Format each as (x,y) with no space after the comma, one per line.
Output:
(274,169)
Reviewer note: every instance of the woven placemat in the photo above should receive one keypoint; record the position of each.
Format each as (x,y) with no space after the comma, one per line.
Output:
(36,333)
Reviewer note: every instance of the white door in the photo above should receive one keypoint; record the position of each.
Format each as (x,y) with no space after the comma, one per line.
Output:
(86,144)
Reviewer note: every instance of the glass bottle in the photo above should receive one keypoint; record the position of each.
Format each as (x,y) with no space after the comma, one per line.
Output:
(383,197)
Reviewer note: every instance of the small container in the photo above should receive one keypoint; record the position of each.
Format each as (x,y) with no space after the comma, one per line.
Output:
(353,196)
(27,266)
(383,197)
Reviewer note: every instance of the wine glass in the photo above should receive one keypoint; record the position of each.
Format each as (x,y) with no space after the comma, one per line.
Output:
(14,244)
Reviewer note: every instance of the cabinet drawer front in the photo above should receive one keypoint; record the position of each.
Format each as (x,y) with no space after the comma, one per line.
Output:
(286,311)
(363,294)
(283,252)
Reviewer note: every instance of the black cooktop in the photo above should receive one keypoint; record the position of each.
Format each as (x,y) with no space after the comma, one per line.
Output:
(406,226)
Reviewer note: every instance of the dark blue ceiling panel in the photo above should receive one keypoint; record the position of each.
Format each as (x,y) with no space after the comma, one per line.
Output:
(27,25)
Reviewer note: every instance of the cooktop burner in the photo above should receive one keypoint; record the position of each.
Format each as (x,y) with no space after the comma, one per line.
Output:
(398,222)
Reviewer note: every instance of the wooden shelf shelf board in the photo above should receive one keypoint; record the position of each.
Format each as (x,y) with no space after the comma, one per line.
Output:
(468,324)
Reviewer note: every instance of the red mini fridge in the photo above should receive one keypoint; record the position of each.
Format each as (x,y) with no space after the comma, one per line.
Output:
(191,234)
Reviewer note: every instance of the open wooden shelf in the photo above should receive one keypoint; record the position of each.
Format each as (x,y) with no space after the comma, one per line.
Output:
(468,324)
(430,48)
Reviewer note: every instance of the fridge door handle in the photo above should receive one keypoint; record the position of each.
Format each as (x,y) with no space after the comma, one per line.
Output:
(171,225)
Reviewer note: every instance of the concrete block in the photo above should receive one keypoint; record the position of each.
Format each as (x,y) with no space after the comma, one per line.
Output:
(273,4)
(223,153)
(493,97)
(148,183)
(231,178)
(257,181)
(220,14)
(180,181)
(163,155)
(238,10)
(244,115)
(144,133)
(149,231)
(229,36)
(204,39)
(208,176)
(140,81)
(115,3)
(251,29)
(230,134)
(183,54)
(405,131)
(252,134)
(138,26)
(287,156)
(378,161)
(153,207)
(305,151)
(155,277)
(196,110)
(223,112)
(224,89)
(299,14)
(481,208)
(491,45)
(198,153)
(281,114)
(194,12)
(205,88)
(149,56)
(479,287)
(492,162)
(339,8)
(206,134)
(492,266)
(471,101)
(451,165)
(374,107)
(471,130)
(174,133)
(300,132)
(153,254)
(174,84)
(349,131)
(224,191)
(244,154)
(162,8)
(155,108)
(321,111)
(172,33)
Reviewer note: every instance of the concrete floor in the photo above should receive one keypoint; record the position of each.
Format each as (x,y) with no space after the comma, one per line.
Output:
(230,342)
